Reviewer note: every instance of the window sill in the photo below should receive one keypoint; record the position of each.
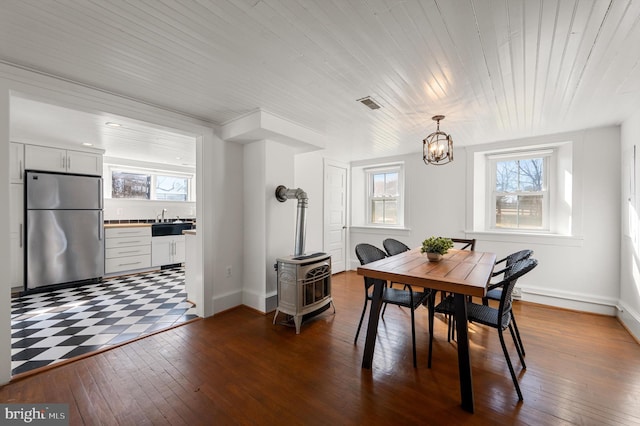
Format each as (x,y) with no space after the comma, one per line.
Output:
(528,237)
(379,229)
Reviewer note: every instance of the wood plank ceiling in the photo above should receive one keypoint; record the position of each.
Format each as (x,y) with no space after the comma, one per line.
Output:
(498,69)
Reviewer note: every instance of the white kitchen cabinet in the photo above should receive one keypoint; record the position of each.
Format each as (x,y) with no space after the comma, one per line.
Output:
(16,234)
(16,162)
(167,250)
(127,249)
(44,158)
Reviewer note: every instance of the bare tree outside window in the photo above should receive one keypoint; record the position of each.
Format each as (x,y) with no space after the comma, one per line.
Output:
(519,193)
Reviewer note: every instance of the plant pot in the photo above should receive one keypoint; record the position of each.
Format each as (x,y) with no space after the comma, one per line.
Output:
(434,257)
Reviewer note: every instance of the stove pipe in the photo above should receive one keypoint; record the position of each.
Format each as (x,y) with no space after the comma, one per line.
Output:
(282,195)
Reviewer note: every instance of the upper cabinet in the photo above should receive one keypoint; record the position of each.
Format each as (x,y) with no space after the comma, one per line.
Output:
(62,160)
(16,165)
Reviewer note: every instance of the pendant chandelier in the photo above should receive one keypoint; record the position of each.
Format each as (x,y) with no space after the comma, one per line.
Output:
(437,148)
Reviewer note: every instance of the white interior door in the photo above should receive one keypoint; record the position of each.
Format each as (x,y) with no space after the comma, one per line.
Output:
(335,214)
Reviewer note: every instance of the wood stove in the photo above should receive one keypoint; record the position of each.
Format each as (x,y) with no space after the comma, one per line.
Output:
(304,285)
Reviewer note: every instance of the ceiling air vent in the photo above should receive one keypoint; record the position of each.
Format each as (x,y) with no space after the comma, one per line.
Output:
(369,102)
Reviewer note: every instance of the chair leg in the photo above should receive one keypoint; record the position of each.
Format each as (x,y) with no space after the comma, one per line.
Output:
(364,309)
(431,303)
(515,327)
(515,342)
(506,356)
(413,337)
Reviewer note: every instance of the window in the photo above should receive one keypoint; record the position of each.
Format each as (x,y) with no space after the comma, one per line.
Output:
(384,196)
(172,188)
(525,187)
(151,185)
(520,195)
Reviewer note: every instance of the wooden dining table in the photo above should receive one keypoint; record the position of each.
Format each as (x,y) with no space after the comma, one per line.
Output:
(461,272)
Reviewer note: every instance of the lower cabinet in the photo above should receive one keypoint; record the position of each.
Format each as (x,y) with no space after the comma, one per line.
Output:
(167,250)
(127,249)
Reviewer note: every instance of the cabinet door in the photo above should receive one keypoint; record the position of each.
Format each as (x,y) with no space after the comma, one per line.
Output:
(179,249)
(161,251)
(45,158)
(16,164)
(17,261)
(84,163)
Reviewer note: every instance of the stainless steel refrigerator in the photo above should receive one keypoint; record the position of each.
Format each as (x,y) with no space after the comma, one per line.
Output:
(64,229)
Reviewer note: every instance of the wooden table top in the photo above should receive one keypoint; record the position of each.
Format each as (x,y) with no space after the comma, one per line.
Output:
(460,271)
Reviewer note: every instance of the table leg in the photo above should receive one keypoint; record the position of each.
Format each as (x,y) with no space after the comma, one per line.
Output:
(464,360)
(372,327)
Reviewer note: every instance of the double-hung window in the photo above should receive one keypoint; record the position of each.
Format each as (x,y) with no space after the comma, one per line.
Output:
(385,195)
(520,199)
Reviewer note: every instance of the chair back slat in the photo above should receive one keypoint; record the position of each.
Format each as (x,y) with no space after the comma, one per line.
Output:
(465,243)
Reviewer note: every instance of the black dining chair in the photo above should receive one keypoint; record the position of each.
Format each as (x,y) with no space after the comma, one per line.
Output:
(494,291)
(406,298)
(393,247)
(499,318)
(464,243)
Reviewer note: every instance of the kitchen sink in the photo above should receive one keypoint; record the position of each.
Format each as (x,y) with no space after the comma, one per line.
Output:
(162,229)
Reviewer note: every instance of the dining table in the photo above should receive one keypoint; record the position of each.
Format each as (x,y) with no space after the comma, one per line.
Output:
(463,273)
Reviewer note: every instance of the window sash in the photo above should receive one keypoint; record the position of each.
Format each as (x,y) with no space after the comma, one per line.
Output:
(389,202)
(493,210)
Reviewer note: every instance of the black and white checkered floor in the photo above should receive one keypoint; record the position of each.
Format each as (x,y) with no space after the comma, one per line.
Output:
(47,328)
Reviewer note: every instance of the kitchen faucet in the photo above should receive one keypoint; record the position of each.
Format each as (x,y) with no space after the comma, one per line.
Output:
(158,215)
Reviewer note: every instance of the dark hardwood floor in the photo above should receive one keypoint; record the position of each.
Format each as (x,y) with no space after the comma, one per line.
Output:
(238,368)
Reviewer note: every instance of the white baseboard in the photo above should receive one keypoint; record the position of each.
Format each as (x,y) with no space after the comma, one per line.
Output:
(227,301)
(570,300)
(630,319)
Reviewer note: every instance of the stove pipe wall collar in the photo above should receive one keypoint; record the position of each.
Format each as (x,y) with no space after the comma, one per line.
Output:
(283,194)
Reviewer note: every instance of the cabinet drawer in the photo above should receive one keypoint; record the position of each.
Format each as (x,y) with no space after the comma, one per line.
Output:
(143,231)
(111,253)
(127,263)
(126,242)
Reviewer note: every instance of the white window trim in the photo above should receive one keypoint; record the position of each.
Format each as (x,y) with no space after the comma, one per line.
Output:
(569,187)
(400,200)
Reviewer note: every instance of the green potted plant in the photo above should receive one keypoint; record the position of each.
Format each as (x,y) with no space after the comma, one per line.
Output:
(435,247)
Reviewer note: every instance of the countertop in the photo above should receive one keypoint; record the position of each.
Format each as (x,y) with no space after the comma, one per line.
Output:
(189,232)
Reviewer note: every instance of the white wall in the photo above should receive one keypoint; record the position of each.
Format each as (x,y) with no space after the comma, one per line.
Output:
(309,175)
(269,225)
(221,202)
(5,285)
(579,272)
(124,209)
(280,217)
(630,229)
(434,203)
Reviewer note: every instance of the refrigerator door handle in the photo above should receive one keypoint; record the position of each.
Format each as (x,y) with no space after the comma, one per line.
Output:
(100,193)
(100,225)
